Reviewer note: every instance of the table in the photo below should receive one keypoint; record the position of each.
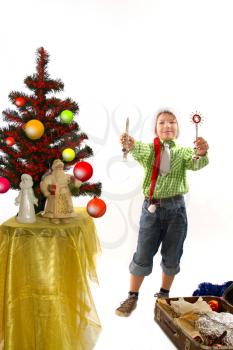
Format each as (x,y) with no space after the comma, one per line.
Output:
(45,299)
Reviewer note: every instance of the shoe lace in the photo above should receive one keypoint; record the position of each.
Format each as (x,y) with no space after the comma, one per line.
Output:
(129,301)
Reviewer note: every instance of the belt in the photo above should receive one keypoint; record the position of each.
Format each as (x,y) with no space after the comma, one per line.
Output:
(165,200)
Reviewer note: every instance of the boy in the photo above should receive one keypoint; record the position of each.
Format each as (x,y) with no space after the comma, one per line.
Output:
(163,220)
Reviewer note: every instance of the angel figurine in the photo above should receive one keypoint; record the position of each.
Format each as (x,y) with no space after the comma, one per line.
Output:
(26,200)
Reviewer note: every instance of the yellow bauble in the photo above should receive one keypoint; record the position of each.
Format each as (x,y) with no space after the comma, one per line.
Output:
(34,129)
(68,154)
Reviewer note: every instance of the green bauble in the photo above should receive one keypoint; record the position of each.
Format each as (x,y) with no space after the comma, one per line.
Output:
(67,116)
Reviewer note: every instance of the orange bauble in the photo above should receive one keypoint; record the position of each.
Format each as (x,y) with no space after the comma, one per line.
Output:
(96,207)
(34,129)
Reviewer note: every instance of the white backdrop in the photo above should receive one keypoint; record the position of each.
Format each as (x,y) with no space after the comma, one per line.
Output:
(131,58)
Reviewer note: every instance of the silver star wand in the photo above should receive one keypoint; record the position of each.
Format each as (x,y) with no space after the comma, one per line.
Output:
(125,149)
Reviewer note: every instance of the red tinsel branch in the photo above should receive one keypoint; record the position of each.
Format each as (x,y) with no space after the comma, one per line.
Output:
(90,188)
(42,61)
(34,84)
(12,116)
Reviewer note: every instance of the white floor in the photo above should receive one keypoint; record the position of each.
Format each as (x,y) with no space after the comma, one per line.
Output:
(204,259)
(139,331)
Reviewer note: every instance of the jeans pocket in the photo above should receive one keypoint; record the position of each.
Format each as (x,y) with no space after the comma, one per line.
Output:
(150,208)
(147,219)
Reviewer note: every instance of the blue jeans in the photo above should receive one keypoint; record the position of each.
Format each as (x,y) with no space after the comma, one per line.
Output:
(166,227)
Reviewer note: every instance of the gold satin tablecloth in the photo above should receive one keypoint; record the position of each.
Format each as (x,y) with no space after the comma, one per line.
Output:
(45,300)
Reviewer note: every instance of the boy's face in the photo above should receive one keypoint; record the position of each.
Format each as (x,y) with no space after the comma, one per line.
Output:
(166,127)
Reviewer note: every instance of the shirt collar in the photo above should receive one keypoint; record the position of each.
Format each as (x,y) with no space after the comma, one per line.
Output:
(171,143)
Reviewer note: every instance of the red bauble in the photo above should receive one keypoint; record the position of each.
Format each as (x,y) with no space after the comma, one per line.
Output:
(214,304)
(20,101)
(4,185)
(83,171)
(96,207)
(10,141)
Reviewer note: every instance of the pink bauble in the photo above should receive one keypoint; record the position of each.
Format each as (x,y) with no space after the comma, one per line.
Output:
(4,185)
(96,207)
(83,171)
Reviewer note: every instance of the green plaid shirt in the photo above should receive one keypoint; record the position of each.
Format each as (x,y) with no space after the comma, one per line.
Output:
(175,182)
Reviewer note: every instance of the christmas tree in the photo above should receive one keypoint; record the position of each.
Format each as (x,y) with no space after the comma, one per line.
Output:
(40,130)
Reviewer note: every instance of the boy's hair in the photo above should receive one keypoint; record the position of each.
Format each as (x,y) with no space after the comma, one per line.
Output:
(166,111)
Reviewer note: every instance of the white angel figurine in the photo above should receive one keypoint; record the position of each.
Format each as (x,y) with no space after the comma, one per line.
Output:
(26,200)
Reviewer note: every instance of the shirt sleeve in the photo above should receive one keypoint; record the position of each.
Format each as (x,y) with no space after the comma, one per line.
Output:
(192,164)
(141,152)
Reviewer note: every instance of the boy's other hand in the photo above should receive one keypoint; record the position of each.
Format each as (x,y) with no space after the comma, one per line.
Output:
(201,146)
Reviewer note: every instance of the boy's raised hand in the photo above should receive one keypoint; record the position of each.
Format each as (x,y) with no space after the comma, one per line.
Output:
(201,146)
(127,142)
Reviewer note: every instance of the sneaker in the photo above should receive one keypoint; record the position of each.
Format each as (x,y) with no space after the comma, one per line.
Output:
(127,306)
(161,295)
